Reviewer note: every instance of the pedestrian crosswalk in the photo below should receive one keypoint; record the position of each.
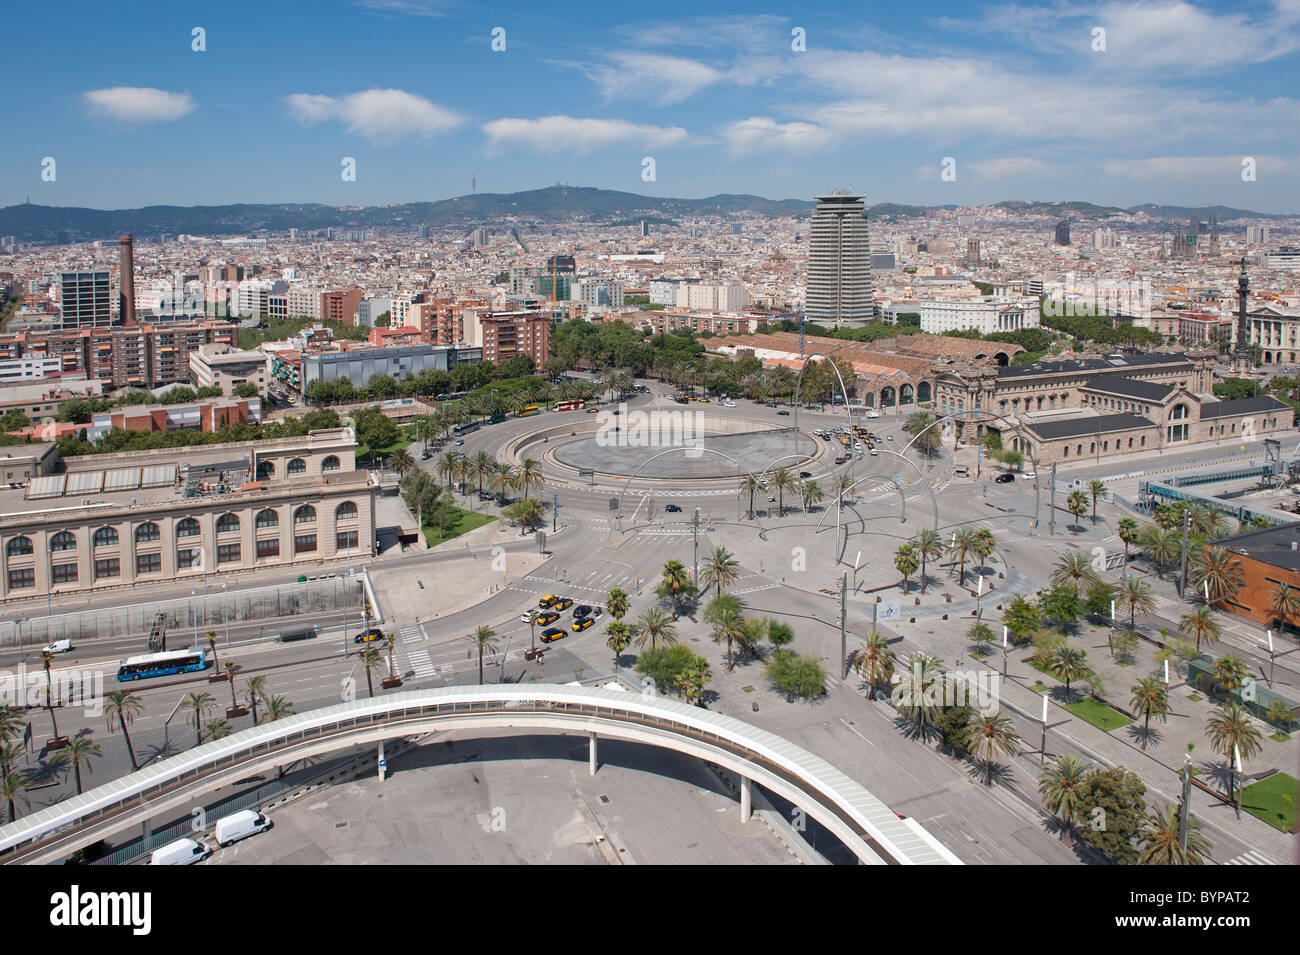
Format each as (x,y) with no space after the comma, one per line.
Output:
(415,659)
(1251,857)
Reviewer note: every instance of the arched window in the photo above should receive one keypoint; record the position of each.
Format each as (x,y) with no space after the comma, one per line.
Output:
(19,546)
(347,511)
(63,540)
(331,463)
(187,528)
(265,470)
(304,515)
(147,532)
(297,466)
(227,523)
(267,518)
(105,537)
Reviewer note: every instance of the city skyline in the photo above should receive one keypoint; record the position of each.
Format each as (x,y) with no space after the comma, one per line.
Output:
(1026,101)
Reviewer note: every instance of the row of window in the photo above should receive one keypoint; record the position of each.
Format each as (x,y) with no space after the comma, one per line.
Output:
(1105,446)
(189,527)
(152,563)
(266,469)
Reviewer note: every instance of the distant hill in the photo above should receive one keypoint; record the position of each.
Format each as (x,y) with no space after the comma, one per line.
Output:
(1184,213)
(63,224)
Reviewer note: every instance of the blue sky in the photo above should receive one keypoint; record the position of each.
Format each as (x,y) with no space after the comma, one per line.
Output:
(1015,93)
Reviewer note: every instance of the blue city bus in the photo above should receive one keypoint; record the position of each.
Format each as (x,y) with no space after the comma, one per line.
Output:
(162,664)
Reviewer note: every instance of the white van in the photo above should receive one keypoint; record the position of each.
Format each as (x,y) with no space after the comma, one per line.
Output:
(961,470)
(180,852)
(240,825)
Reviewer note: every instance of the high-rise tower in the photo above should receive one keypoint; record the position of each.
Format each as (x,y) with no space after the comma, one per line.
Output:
(839,263)
(1241,350)
(126,293)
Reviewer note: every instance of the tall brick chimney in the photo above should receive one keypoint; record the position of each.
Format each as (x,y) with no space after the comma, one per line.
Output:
(126,301)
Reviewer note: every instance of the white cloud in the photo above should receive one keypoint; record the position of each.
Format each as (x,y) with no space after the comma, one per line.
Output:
(412,8)
(1003,167)
(1176,168)
(762,134)
(139,104)
(651,76)
(378,114)
(578,136)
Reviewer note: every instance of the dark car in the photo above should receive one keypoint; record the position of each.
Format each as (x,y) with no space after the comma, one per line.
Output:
(564,603)
(841,459)
(374,633)
(805,474)
(485,495)
(582,624)
(1004,478)
(581,611)
(784,412)
(672,508)
(552,634)
(546,618)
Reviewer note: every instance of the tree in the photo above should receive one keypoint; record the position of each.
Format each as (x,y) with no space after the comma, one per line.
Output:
(619,639)
(1077,504)
(120,708)
(1150,698)
(1074,570)
(254,690)
(483,638)
(664,665)
(654,627)
(800,676)
(401,461)
(1096,489)
(750,484)
(981,634)
(1233,735)
(1062,604)
(812,493)
(988,736)
(1099,599)
(928,544)
(1285,604)
(1162,546)
(925,437)
(719,568)
(217,729)
(1199,624)
(725,614)
(1068,663)
(1217,572)
(918,695)
(906,561)
(480,466)
(1128,533)
(199,704)
(527,512)
(529,474)
(675,585)
(1113,809)
(1060,785)
(783,480)
(1137,596)
(76,753)
(276,708)
(875,662)
(1230,672)
(960,548)
(12,787)
(616,603)
(690,681)
(245,389)
(983,546)
(1162,845)
(1021,618)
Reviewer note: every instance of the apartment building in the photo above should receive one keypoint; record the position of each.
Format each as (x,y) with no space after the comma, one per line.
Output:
(206,414)
(220,366)
(985,316)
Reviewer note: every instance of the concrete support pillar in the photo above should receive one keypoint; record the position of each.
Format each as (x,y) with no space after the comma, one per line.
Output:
(383,763)
(746,798)
(591,753)
(146,833)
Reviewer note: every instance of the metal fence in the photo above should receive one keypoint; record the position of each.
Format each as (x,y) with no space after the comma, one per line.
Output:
(210,611)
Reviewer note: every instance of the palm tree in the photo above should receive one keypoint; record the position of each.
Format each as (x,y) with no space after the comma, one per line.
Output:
(620,638)
(253,691)
(1199,622)
(987,736)
(120,707)
(1162,545)
(750,484)
(1138,596)
(783,480)
(983,544)
(654,627)
(483,638)
(1096,489)
(12,787)
(1161,843)
(200,703)
(875,661)
(1068,663)
(928,544)
(212,649)
(501,479)
(1128,533)
(726,616)
(1230,672)
(616,603)
(675,584)
(1233,734)
(1150,697)
(276,707)
(78,752)
(529,474)
(1285,604)
(46,659)
(217,729)
(480,466)
(906,561)
(917,695)
(1074,570)
(1059,786)
(529,512)
(401,461)
(960,548)
(447,466)
(812,493)
(719,568)
(1218,573)
(1076,504)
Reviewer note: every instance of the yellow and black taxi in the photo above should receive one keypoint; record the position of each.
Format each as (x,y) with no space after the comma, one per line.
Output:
(550,600)
(548,618)
(582,623)
(551,635)
(369,636)
(563,604)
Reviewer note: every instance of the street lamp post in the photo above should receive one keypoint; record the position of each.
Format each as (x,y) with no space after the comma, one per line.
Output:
(226,611)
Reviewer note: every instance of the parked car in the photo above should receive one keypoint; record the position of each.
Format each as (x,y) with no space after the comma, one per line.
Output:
(548,618)
(526,616)
(550,600)
(564,603)
(459,442)
(1004,478)
(180,852)
(582,624)
(552,634)
(240,825)
(581,611)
